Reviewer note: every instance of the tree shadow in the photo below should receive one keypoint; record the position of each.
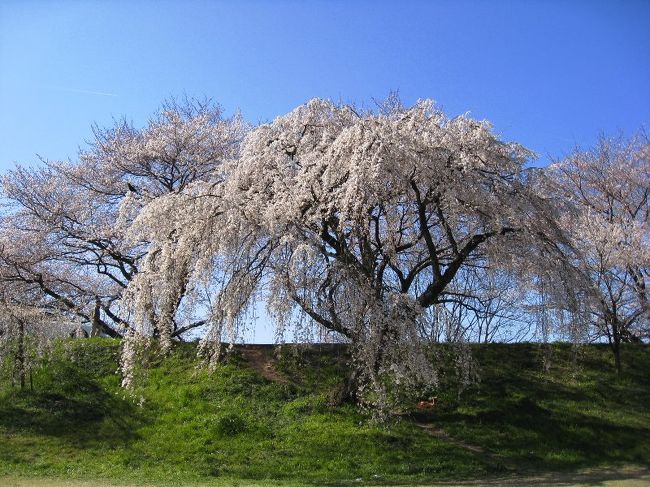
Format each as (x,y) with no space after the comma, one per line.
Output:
(565,419)
(72,405)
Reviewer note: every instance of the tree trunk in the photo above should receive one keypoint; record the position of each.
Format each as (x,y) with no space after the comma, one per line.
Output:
(95,320)
(20,355)
(347,391)
(616,348)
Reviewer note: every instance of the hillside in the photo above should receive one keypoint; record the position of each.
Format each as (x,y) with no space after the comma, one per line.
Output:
(272,414)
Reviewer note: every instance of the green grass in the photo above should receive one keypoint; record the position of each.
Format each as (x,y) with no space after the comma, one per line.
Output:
(185,425)
(578,414)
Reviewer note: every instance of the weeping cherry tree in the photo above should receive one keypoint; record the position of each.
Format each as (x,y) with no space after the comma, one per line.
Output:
(358,222)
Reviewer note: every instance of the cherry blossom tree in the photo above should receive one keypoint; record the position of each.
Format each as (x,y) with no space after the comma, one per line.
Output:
(27,330)
(359,222)
(604,193)
(63,230)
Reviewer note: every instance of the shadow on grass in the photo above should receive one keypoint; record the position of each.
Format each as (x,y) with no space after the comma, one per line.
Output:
(573,416)
(71,404)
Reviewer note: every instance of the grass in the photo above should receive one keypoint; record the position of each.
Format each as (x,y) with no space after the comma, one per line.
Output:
(577,414)
(185,425)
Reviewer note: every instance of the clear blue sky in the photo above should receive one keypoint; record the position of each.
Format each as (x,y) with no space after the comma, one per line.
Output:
(548,74)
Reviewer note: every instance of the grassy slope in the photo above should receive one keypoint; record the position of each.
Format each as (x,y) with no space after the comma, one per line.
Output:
(234,424)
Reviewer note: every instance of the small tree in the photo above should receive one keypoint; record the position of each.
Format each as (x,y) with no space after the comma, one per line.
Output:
(604,196)
(25,333)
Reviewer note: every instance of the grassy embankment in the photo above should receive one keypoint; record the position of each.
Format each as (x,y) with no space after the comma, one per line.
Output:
(236,425)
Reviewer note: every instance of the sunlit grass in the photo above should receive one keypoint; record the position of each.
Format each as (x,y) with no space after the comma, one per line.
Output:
(184,424)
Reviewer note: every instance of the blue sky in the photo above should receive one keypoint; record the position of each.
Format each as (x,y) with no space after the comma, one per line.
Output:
(547,74)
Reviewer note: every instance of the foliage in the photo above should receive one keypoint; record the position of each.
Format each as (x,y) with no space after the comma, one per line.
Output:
(605,198)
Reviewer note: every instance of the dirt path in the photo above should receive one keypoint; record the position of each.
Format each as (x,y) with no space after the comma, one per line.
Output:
(260,359)
(600,477)
(615,477)
(479,451)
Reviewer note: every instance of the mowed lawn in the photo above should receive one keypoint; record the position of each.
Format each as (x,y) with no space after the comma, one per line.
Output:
(519,421)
